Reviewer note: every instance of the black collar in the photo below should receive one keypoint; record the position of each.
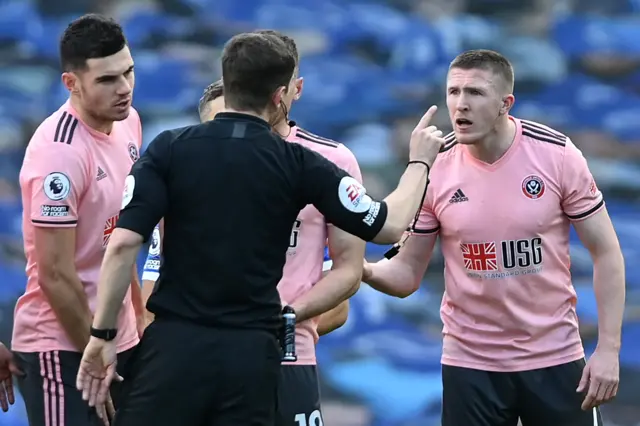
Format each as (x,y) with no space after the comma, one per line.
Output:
(238,116)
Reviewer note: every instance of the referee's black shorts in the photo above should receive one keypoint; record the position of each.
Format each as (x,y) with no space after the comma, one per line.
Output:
(190,375)
(541,397)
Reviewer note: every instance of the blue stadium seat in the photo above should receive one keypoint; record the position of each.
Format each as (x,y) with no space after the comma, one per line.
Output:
(165,85)
(18,21)
(579,35)
(46,42)
(14,282)
(391,338)
(11,219)
(142,23)
(392,394)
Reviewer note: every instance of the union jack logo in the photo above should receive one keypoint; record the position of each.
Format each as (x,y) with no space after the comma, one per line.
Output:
(480,256)
(109,226)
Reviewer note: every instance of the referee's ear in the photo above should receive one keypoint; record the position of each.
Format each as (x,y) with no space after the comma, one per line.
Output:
(278,96)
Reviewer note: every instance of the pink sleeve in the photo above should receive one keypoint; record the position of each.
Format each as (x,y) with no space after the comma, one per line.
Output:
(138,127)
(427,223)
(349,163)
(581,197)
(57,179)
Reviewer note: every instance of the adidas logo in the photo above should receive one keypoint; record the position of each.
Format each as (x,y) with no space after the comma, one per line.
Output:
(458,197)
(101,174)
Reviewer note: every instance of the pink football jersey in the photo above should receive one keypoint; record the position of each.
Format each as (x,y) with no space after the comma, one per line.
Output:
(305,256)
(72,176)
(509,304)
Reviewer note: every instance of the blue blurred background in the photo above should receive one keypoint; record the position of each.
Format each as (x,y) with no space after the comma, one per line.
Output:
(371,68)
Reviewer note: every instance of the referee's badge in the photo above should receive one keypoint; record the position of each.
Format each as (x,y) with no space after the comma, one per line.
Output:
(353,195)
(129,185)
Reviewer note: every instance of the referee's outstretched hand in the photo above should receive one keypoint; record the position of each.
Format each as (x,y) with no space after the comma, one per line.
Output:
(97,371)
(426,140)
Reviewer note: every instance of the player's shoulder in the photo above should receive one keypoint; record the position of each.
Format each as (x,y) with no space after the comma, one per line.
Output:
(332,150)
(314,141)
(59,134)
(133,115)
(543,136)
(448,151)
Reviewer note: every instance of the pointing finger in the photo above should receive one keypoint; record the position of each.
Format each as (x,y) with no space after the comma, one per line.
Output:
(426,118)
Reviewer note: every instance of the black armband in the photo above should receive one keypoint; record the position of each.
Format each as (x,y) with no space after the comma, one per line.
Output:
(368,224)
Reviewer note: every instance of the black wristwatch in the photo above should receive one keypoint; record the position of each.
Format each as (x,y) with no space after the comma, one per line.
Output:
(106,335)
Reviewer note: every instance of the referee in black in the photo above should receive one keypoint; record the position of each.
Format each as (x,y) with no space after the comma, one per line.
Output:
(229,191)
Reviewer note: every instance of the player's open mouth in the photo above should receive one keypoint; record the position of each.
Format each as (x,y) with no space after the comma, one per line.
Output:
(463,123)
(122,104)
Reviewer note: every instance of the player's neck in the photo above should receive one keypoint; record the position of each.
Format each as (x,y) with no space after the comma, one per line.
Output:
(96,124)
(495,144)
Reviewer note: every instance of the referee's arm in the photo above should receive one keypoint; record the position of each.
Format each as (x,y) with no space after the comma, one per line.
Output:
(346,204)
(143,205)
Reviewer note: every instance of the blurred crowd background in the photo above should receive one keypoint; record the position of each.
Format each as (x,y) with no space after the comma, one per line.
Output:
(371,67)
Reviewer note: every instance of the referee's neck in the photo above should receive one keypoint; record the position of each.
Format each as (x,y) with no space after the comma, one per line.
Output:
(263,116)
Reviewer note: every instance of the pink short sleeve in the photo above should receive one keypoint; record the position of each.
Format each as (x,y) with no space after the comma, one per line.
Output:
(56,181)
(349,163)
(581,197)
(427,223)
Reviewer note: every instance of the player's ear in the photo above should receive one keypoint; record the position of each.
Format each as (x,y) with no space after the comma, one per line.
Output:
(507,104)
(299,86)
(70,81)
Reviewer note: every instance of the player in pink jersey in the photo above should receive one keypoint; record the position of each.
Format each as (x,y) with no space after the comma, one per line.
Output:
(71,180)
(502,197)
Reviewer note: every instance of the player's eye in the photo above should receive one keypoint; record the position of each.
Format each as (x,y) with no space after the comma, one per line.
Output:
(107,80)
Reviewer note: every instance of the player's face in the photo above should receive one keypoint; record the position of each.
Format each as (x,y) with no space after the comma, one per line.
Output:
(474,100)
(106,86)
(213,108)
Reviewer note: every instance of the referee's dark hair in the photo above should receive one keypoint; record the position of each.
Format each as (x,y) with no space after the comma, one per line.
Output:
(254,67)
(288,41)
(88,37)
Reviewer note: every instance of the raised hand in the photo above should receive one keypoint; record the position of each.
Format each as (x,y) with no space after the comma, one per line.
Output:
(426,140)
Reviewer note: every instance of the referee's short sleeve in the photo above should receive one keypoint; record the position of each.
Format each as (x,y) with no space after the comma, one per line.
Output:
(144,201)
(342,199)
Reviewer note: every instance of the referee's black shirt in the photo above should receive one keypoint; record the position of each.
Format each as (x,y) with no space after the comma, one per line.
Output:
(229,191)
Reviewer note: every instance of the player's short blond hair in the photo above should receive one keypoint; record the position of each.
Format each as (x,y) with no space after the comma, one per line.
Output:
(211,93)
(487,60)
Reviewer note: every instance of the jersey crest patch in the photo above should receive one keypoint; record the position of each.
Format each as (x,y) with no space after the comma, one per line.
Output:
(533,187)
(133,152)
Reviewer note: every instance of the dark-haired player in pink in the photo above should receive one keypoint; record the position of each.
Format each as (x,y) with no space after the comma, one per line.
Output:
(71,181)
(503,194)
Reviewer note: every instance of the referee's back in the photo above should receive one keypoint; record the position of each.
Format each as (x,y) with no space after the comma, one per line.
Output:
(229,191)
